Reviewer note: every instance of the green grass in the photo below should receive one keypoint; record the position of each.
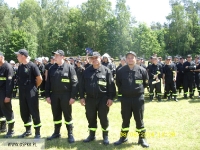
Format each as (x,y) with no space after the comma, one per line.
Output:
(170,125)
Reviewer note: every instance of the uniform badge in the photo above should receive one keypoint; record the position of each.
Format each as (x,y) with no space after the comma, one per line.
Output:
(65,74)
(25,70)
(10,77)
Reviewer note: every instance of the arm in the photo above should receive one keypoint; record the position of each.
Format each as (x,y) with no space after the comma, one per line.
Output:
(145,78)
(73,82)
(111,90)
(46,74)
(38,80)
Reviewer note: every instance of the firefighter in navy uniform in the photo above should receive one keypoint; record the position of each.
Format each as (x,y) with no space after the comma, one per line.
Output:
(29,78)
(61,89)
(155,72)
(48,66)
(41,67)
(197,74)
(98,85)
(131,81)
(169,78)
(180,75)
(6,87)
(188,68)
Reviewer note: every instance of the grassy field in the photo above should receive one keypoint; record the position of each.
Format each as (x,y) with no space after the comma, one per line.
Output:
(170,125)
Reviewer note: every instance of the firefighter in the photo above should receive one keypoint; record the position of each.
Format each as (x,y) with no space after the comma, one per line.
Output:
(48,65)
(42,72)
(79,71)
(6,88)
(169,78)
(61,89)
(29,78)
(180,75)
(188,68)
(197,74)
(98,85)
(155,72)
(131,81)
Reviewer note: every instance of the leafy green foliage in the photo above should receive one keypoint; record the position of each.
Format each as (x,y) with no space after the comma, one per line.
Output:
(48,25)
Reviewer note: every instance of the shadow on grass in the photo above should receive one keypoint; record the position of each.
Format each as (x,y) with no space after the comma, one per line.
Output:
(194,101)
(80,145)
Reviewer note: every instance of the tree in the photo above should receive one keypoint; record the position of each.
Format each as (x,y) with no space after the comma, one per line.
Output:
(145,41)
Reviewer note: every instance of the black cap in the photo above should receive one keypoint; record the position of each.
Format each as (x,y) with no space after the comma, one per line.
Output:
(131,52)
(52,57)
(59,52)
(180,57)
(138,58)
(94,54)
(188,56)
(22,52)
(1,54)
(169,57)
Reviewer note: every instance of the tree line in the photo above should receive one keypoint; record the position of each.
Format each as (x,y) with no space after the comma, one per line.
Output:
(47,25)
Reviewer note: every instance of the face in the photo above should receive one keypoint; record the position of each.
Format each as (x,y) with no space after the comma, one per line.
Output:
(181,60)
(189,58)
(58,58)
(78,64)
(52,61)
(20,57)
(1,58)
(138,61)
(105,59)
(168,61)
(123,62)
(131,59)
(155,60)
(95,60)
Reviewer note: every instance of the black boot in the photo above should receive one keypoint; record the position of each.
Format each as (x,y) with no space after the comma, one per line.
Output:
(191,96)
(159,98)
(142,141)
(37,133)
(3,127)
(123,138)
(168,98)
(185,95)
(91,137)
(151,97)
(27,133)
(105,138)
(10,132)
(70,133)
(175,98)
(56,133)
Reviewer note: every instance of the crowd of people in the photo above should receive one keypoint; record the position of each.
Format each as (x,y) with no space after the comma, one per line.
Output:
(91,79)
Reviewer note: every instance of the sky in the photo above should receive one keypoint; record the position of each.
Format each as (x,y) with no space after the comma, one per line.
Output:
(147,11)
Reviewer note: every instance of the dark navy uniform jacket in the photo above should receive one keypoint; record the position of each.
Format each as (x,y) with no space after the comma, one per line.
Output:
(6,79)
(131,83)
(97,83)
(61,80)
